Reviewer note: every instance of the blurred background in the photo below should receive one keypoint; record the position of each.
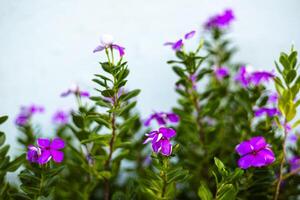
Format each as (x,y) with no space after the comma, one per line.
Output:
(47,45)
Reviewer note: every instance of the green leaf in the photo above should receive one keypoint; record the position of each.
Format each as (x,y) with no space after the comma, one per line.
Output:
(284,61)
(106,67)
(104,174)
(220,166)
(97,138)
(108,93)
(129,95)
(14,165)
(204,193)
(291,76)
(78,121)
(226,192)
(126,108)
(3,119)
(178,71)
(2,138)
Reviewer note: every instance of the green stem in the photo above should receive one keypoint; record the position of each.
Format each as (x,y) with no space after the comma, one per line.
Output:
(281,165)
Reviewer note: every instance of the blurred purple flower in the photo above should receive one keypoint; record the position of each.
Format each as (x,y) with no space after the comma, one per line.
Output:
(161,140)
(61,117)
(50,150)
(177,45)
(162,118)
(243,76)
(273,98)
(193,79)
(26,113)
(294,163)
(254,153)
(107,42)
(76,91)
(258,77)
(221,72)
(271,112)
(221,20)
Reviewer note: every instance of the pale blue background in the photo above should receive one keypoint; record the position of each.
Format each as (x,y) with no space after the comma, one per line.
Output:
(47,45)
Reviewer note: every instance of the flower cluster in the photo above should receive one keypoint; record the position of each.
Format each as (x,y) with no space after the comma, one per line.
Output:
(254,153)
(246,77)
(160,140)
(45,150)
(26,113)
(177,45)
(162,118)
(107,42)
(220,20)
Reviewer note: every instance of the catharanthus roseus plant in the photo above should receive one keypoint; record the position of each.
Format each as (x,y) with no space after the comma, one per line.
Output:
(229,135)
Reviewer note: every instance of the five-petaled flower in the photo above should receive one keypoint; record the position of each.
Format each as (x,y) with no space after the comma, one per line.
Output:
(254,153)
(221,20)
(46,150)
(26,113)
(177,45)
(107,42)
(160,140)
(162,118)
(74,89)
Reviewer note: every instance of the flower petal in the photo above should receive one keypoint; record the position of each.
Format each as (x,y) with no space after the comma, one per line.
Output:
(45,157)
(173,117)
(119,48)
(43,142)
(57,156)
(268,155)
(99,48)
(189,35)
(156,146)
(167,132)
(244,148)
(57,143)
(258,143)
(166,147)
(246,161)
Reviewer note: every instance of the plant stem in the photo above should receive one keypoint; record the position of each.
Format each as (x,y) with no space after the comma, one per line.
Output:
(296,171)
(281,165)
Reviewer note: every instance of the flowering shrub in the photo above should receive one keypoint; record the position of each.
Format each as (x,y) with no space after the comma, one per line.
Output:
(228,136)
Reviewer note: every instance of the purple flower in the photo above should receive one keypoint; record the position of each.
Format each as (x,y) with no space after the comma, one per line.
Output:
(258,77)
(294,163)
(26,113)
(61,117)
(273,98)
(246,76)
(162,118)
(177,45)
(221,72)
(271,112)
(76,91)
(50,150)
(107,42)
(242,76)
(254,153)
(161,140)
(33,154)
(189,35)
(221,20)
